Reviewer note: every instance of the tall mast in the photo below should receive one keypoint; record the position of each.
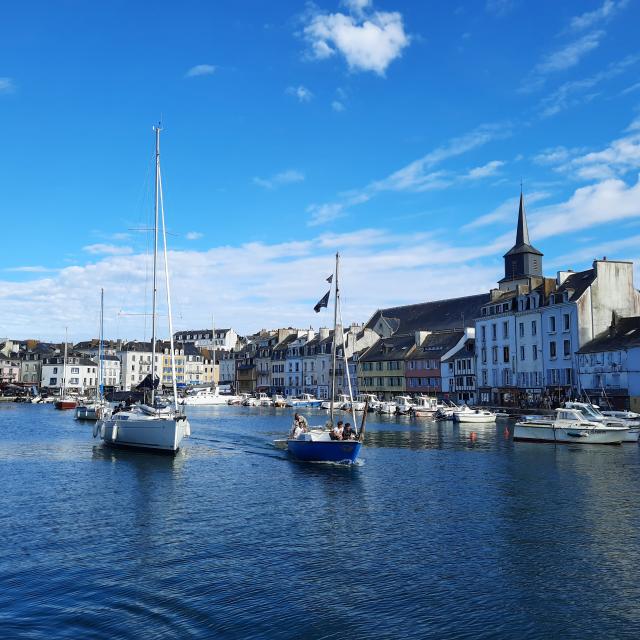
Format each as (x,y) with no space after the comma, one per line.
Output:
(213,343)
(155,260)
(100,382)
(335,340)
(63,388)
(168,289)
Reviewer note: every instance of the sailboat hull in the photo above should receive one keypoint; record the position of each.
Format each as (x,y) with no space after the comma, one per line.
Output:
(64,405)
(324,450)
(159,434)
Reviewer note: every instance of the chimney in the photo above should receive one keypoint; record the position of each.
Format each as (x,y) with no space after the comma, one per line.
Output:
(324,333)
(562,276)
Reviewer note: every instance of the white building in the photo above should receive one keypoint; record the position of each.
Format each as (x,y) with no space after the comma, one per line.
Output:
(609,366)
(528,332)
(294,370)
(224,340)
(458,370)
(81,374)
(135,363)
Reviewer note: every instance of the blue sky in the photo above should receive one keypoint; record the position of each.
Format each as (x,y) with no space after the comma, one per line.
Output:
(395,131)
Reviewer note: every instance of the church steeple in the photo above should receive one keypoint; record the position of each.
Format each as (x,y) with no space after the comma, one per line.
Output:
(522,236)
(522,261)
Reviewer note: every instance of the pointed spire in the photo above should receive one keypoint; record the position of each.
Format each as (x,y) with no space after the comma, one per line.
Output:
(522,236)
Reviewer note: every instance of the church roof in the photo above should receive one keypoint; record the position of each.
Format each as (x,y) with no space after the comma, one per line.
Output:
(522,244)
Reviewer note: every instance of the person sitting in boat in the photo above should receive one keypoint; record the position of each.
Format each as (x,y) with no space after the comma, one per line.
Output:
(337,431)
(348,433)
(300,425)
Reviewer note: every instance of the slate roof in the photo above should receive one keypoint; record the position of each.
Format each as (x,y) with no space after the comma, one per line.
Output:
(283,345)
(394,348)
(435,345)
(579,282)
(624,335)
(432,316)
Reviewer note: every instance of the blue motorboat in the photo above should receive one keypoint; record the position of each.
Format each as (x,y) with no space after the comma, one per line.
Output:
(320,448)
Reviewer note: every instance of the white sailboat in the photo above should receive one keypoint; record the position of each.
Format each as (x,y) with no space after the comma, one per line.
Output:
(94,410)
(157,425)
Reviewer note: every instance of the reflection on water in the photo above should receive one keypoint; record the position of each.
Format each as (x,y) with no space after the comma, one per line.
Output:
(442,530)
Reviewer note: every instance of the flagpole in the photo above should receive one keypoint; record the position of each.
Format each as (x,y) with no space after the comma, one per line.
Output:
(335,340)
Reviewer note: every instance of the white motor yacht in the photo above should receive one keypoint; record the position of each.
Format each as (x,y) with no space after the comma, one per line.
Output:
(569,425)
(425,406)
(264,400)
(387,408)
(204,397)
(593,413)
(467,414)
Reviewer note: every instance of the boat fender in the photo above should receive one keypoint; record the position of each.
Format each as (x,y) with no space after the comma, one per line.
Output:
(114,432)
(102,430)
(96,429)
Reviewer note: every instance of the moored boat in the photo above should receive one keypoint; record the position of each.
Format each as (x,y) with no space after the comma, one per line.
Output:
(467,414)
(569,425)
(619,418)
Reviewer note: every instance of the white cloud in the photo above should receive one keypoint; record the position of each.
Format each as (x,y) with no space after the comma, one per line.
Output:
(290,176)
(485,171)
(200,70)
(576,92)
(107,249)
(255,274)
(368,40)
(601,14)
(421,175)
(323,213)
(357,6)
(336,105)
(193,235)
(605,202)
(29,269)
(6,85)
(301,92)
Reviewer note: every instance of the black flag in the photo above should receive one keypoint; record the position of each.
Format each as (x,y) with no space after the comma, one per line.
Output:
(323,302)
(330,279)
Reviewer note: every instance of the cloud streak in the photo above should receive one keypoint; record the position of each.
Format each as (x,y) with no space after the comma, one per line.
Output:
(200,70)
(290,176)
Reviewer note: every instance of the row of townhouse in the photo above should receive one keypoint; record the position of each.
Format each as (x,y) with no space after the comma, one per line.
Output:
(292,361)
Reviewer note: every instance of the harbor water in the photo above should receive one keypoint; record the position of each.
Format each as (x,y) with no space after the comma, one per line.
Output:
(441,531)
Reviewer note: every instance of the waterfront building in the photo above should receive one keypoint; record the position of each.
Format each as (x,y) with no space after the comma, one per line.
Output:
(279,363)
(135,362)
(246,374)
(224,339)
(528,331)
(10,369)
(381,368)
(266,342)
(81,373)
(609,366)
(294,379)
(188,363)
(423,372)
(458,370)
(227,367)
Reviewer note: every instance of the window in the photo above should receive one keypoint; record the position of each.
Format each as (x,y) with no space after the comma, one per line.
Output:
(522,353)
(505,329)
(521,329)
(567,347)
(552,349)
(565,321)
(494,354)
(484,377)
(505,354)
(534,328)
(73,381)
(75,370)
(55,369)
(493,331)
(552,324)
(53,382)
(535,351)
